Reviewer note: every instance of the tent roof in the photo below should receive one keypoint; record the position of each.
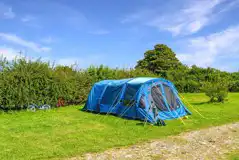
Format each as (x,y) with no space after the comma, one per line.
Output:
(133,81)
(140,80)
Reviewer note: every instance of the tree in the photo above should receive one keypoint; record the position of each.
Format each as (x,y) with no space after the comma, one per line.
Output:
(217,88)
(217,91)
(160,60)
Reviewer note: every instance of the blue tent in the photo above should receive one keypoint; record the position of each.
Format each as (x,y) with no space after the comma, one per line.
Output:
(147,99)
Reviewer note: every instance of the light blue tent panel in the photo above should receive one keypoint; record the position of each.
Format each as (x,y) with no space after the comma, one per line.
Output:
(145,98)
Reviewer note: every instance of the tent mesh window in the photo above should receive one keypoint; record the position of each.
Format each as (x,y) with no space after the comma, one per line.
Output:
(112,95)
(130,95)
(171,98)
(157,97)
(142,102)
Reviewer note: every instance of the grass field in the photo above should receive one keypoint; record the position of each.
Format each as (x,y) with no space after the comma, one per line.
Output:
(67,132)
(234,155)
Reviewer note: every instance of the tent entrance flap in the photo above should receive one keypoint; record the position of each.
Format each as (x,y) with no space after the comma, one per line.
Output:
(171,97)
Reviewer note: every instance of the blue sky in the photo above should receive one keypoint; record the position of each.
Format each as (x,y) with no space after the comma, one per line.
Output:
(117,33)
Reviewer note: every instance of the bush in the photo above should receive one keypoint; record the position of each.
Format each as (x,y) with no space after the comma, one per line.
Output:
(234,86)
(217,91)
(23,82)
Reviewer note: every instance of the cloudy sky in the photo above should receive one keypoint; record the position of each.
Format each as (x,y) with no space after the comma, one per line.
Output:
(117,33)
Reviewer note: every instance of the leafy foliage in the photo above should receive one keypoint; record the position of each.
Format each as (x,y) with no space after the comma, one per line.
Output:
(24,81)
(159,60)
(192,79)
(217,92)
(234,85)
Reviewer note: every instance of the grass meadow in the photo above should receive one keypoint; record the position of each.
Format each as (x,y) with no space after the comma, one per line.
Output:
(67,132)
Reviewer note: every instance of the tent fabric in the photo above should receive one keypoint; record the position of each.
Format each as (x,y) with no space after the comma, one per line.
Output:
(145,98)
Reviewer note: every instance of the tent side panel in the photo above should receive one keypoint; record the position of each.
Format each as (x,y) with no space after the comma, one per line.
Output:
(129,99)
(94,97)
(112,96)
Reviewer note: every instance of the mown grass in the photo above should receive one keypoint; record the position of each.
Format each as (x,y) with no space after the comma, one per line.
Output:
(233,155)
(68,132)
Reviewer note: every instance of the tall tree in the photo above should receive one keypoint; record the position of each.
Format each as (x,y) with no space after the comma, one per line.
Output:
(159,60)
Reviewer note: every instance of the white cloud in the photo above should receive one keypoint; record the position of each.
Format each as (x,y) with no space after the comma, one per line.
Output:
(233,4)
(125,65)
(45,49)
(188,19)
(11,53)
(81,62)
(27,18)
(28,44)
(68,61)
(205,50)
(9,14)
(100,32)
(31,21)
(48,40)
(8,53)
(6,11)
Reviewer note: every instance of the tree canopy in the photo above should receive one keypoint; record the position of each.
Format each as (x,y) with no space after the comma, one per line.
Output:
(159,60)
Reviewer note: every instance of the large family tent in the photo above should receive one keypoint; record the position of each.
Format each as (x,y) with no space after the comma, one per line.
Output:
(148,99)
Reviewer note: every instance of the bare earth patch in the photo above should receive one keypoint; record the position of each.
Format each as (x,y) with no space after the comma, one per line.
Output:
(210,143)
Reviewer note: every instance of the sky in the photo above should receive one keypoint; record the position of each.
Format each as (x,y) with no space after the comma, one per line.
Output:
(117,33)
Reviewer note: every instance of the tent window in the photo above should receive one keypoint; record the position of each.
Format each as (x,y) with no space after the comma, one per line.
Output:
(130,95)
(111,95)
(157,98)
(171,97)
(142,102)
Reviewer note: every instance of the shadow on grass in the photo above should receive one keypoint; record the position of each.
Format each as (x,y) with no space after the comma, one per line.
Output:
(12,109)
(208,102)
(144,124)
(200,103)
(140,123)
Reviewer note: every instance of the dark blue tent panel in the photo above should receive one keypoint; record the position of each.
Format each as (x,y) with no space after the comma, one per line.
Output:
(148,99)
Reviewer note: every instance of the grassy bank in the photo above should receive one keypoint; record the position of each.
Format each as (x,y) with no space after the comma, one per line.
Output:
(67,132)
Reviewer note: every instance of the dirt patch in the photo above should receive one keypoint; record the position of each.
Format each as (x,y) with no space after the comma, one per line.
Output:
(211,143)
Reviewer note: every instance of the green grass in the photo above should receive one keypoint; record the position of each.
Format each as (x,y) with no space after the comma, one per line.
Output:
(67,132)
(233,155)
